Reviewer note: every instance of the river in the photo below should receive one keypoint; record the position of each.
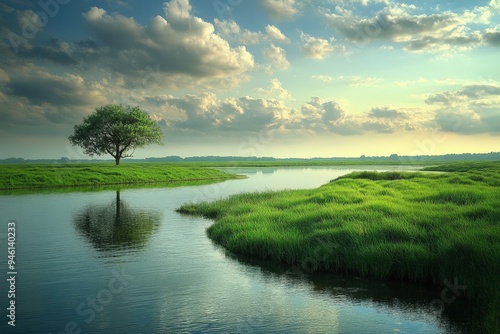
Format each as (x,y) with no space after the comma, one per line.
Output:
(125,262)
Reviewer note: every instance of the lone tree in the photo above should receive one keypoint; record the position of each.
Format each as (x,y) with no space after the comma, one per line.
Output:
(116,130)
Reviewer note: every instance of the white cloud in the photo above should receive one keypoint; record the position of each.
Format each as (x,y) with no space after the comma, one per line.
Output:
(388,113)
(281,9)
(477,94)
(275,34)
(227,28)
(275,89)
(492,36)
(495,4)
(363,2)
(323,78)
(359,81)
(207,113)
(180,49)
(316,48)
(277,57)
(30,20)
(40,87)
(473,109)
(230,30)
(417,32)
(178,10)
(318,114)
(329,116)
(34,95)
(4,77)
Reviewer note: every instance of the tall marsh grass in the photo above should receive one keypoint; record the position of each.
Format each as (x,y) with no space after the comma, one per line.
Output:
(424,227)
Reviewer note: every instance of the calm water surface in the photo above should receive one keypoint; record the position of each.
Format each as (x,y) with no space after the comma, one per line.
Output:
(126,262)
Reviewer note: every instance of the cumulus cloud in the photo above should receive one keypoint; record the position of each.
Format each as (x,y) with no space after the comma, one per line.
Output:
(32,94)
(275,89)
(471,110)
(316,48)
(30,21)
(388,113)
(492,37)
(329,116)
(417,32)
(458,39)
(325,112)
(4,77)
(20,27)
(471,94)
(230,30)
(359,81)
(277,57)
(495,4)
(275,34)
(40,87)
(281,9)
(179,46)
(323,78)
(207,113)
(78,54)
(362,2)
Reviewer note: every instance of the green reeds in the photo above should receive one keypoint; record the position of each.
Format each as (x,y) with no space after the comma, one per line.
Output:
(424,227)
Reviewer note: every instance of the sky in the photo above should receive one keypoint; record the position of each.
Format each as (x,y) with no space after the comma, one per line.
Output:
(281,78)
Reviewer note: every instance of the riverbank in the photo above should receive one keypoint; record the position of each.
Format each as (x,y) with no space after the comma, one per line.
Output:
(57,175)
(438,228)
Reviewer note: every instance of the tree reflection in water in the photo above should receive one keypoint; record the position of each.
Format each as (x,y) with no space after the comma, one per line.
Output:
(116,228)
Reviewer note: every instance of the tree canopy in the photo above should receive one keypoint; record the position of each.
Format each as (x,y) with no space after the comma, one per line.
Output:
(116,130)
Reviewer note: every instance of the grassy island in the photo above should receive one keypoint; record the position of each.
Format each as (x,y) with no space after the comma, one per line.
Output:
(35,176)
(438,228)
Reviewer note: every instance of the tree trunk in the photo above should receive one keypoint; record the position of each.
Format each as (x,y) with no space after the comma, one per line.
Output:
(118,154)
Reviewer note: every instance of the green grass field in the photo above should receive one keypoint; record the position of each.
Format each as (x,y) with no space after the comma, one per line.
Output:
(424,227)
(30,176)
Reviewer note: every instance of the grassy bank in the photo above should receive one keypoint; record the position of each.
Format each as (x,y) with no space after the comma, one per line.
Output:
(426,227)
(26,176)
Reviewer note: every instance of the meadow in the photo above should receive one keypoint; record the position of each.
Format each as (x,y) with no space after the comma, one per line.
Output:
(440,227)
(57,175)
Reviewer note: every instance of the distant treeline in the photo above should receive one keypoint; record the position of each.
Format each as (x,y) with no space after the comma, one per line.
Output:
(492,156)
